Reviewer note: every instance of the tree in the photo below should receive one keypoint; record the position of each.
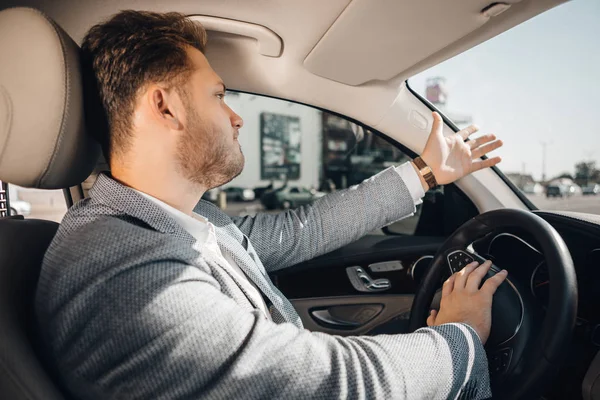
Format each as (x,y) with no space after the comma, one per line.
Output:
(586,173)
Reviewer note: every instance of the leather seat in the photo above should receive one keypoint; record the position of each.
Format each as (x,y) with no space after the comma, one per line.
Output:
(43,144)
(23,244)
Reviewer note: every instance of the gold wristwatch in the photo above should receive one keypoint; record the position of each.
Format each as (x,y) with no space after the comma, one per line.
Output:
(426,172)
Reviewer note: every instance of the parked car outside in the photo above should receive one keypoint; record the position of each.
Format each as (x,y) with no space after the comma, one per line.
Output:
(591,190)
(533,188)
(259,191)
(289,197)
(574,189)
(239,194)
(558,191)
(211,195)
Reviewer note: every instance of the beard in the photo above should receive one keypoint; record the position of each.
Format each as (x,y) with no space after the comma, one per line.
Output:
(205,156)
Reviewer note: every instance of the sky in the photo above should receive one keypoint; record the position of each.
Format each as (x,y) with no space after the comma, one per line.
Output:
(538,82)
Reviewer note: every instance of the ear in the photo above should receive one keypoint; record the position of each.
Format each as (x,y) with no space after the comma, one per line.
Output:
(164,107)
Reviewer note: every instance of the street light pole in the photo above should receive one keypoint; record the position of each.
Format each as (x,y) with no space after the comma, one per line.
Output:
(544,144)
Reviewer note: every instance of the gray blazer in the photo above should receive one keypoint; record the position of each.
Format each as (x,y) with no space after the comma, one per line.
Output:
(129,309)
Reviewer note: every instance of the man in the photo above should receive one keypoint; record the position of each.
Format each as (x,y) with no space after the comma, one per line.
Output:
(148,293)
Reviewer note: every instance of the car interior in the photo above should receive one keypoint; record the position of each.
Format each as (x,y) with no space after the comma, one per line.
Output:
(545,338)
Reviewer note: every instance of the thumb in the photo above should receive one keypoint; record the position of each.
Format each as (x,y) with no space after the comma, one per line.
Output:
(437,126)
(431,318)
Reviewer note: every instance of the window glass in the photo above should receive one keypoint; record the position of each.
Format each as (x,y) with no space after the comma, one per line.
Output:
(296,154)
(35,203)
(534,86)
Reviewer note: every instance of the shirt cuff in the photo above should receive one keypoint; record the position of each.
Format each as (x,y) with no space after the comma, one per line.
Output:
(412,181)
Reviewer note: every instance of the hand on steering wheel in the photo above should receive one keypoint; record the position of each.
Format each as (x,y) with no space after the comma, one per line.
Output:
(464,301)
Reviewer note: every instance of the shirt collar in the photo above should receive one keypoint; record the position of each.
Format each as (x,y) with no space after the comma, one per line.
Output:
(196,225)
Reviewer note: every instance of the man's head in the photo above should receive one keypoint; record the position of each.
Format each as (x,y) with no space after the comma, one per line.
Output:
(163,101)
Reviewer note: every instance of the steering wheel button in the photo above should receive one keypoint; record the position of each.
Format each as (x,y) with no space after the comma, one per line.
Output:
(499,361)
(458,260)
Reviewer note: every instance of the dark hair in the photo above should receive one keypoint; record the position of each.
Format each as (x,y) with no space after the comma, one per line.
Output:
(129,51)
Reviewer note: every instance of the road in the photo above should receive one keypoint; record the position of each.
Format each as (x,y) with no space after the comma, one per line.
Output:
(584,204)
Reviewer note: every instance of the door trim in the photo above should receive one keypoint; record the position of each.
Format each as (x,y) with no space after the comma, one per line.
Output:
(393,306)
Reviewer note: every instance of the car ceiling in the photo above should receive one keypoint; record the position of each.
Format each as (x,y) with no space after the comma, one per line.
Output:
(347,56)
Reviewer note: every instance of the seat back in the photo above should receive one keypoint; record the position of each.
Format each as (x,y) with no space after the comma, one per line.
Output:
(44,144)
(22,247)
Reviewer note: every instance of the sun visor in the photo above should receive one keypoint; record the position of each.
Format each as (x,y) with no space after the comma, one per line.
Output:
(377,40)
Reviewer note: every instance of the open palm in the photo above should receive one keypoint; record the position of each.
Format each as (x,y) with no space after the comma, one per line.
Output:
(450,157)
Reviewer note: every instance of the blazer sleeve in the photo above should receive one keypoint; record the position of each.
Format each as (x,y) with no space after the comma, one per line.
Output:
(169,332)
(337,219)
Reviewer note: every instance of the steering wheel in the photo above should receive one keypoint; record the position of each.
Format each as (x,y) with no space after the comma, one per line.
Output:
(525,348)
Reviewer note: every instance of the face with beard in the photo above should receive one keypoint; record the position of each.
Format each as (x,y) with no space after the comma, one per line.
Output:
(208,152)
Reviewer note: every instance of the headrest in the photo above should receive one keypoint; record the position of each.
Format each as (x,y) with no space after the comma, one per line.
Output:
(43,140)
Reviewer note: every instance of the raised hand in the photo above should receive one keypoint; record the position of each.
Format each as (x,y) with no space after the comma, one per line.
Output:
(450,157)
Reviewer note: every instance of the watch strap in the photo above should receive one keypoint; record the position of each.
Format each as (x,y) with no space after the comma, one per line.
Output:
(426,172)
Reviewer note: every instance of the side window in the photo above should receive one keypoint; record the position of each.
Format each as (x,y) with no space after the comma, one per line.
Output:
(296,154)
(354,154)
(32,203)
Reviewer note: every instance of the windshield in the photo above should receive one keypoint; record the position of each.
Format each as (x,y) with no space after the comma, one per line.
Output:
(536,87)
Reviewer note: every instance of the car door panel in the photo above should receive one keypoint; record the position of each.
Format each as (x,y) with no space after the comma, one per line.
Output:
(328,301)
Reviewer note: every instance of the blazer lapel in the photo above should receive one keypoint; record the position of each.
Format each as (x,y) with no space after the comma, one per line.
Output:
(232,240)
(249,262)
(242,257)
(129,202)
(242,283)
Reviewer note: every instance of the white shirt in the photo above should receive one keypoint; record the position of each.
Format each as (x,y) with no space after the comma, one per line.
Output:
(206,240)
(412,181)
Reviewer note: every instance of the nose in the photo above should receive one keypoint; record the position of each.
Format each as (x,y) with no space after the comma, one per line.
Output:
(236,121)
